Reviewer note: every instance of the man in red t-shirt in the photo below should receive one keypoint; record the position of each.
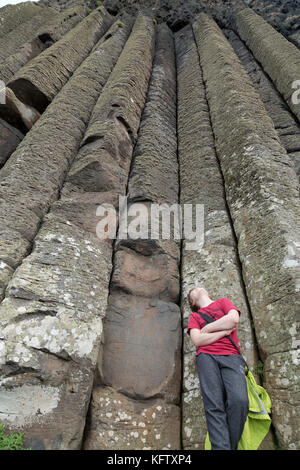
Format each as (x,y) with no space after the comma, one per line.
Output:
(220,368)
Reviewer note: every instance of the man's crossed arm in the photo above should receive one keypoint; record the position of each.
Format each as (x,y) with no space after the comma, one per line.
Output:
(215,330)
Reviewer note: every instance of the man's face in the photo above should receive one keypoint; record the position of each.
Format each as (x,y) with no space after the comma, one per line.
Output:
(199,291)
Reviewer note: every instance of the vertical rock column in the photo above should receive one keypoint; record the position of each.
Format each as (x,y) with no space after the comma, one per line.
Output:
(135,400)
(33,176)
(215,264)
(262,194)
(51,317)
(285,122)
(278,56)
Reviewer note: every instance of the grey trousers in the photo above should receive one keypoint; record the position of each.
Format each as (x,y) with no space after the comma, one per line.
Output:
(225,397)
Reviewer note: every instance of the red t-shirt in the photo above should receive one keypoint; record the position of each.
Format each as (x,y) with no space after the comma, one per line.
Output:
(216,310)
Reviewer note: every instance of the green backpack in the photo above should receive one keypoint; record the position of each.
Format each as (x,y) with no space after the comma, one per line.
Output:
(258,421)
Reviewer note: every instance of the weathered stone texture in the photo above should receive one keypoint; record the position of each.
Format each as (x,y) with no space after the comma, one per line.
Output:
(214,265)
(154,177)
(55,29)
(22,43)
(37,36)
(279,57)
(41,79)
(119,422)
(262,194)
(139,367)
(51,316)
(11,16)
(141,356)
(285,123)
(10,138)
(93,346)
(61,316)
(104,158)
(17,113)
(34,174)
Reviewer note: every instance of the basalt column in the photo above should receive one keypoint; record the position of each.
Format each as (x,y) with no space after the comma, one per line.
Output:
(51,316)
(279,57)
(24,43)
(37,83)
(211,262)
(33,176)
(135,400)
(286,124)
(261,188)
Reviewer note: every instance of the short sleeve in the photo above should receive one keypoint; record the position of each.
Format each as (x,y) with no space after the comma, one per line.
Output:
(193,323)
(228,305)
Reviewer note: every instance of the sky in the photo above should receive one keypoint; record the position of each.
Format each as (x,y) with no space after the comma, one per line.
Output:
(10,2)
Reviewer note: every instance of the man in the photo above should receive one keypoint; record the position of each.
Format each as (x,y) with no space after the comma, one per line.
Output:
(220,368)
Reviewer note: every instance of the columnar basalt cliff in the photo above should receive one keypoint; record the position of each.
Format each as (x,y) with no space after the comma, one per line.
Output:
(143,111)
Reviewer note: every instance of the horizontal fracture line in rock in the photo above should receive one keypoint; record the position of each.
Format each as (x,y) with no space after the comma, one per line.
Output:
(32,177)
(262,193)
(41,79)
(215,265)
(279,57)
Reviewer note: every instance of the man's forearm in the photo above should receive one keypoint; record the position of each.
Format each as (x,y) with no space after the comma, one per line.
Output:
(203,338)
(224,323)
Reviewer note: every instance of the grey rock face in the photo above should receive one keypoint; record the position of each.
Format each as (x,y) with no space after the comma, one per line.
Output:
(154,174)
(21,43)
(38,82)
(34,174)
(10,138)
(140,121)
(11,16)
(214,265)
(32,37)
(285,123)
(279,57)
(262,193)
(139,363)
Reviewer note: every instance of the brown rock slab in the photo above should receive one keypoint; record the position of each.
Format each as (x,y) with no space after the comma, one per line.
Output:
(140,352)
(152,275)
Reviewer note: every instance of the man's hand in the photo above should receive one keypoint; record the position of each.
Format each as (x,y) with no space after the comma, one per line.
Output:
(228,332)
